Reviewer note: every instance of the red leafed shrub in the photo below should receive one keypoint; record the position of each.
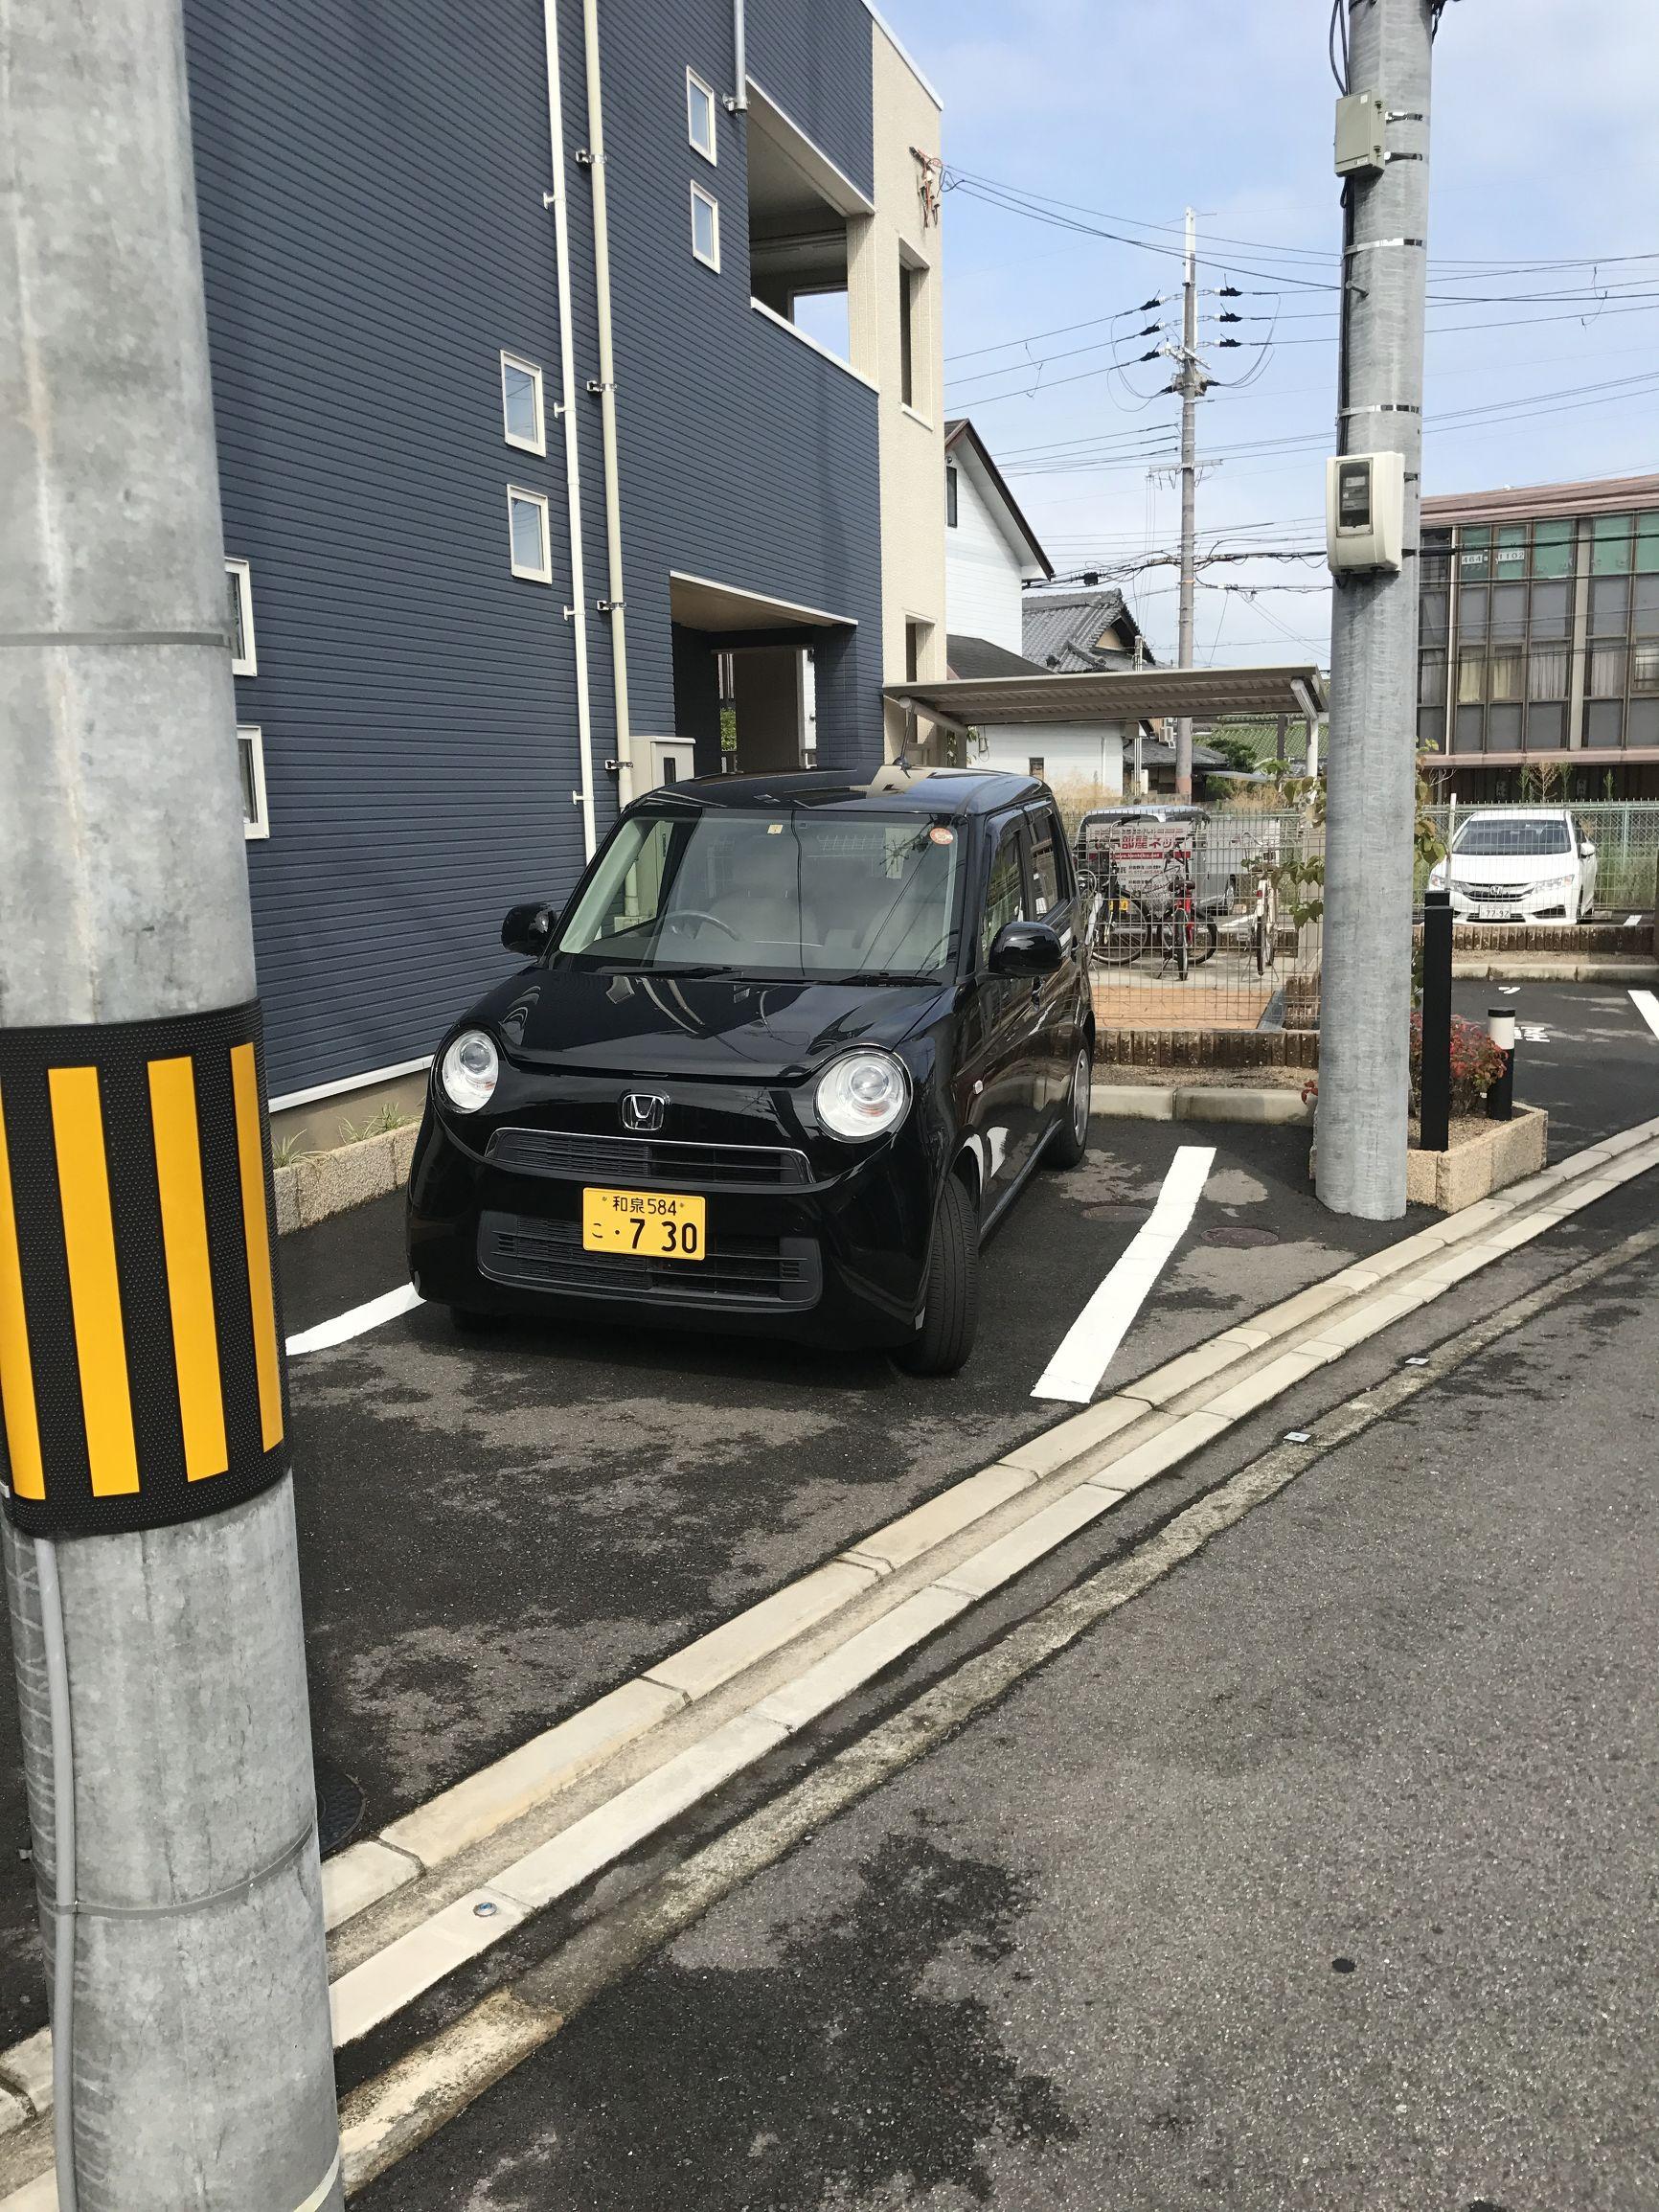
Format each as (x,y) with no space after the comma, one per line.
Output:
(1476,1064)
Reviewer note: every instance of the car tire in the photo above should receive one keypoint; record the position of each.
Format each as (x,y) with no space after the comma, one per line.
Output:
(1070,1139)
(468,1321)
(951,1320)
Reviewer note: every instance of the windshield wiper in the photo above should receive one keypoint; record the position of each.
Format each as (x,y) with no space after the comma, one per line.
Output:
(873,975)
(651,967)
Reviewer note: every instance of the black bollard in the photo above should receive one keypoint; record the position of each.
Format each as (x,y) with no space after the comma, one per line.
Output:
(1501,1098)
(1434,1115)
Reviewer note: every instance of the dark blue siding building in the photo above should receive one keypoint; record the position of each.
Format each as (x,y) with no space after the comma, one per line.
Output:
(376,186)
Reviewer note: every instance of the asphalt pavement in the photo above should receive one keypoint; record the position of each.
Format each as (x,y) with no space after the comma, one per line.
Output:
(1584,1054)
(493,1533)
(1318,1879)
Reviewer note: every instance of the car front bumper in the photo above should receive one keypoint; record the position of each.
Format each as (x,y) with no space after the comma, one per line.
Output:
(1509,902)
(837,1259)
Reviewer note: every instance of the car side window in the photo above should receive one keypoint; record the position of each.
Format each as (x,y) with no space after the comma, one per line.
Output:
(1047,864)
(1005,899)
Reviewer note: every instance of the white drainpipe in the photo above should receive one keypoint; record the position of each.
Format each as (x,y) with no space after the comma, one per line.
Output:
(616,606)
(576,613)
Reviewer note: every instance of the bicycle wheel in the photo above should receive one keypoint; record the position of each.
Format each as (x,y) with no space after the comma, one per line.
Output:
(1181,930)
(1205,939)
(1121,934)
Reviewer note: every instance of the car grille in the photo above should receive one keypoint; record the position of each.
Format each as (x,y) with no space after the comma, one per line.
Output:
(670,1161)
(1497,894)
(747,1271)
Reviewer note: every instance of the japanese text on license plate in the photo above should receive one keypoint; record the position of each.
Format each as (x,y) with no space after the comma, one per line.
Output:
(655,1224)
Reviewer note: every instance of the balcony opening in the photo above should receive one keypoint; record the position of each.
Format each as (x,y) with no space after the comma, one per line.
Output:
(800,206)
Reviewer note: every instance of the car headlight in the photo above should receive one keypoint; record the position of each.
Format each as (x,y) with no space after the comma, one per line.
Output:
(1437,876)
(468,1071)
(863,1094)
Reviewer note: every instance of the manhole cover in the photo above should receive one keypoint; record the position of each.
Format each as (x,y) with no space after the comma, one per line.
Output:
(339,1806)
(1237,1239)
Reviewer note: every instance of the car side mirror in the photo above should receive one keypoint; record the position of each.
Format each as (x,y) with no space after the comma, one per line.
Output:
(1587,851)
(527,929)
(1026,949)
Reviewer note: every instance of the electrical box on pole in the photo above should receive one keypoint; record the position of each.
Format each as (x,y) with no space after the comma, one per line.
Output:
(1365,512)
(1360,118)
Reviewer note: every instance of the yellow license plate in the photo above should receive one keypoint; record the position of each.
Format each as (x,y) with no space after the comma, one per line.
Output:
(656,1225)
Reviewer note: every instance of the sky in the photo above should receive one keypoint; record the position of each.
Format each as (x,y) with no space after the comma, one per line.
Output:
(1544,150)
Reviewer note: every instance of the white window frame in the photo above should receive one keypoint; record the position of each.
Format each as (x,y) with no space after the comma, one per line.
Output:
(538,499)
(249,734)
(248,664)
(714,207)
(710,152)
(533,370)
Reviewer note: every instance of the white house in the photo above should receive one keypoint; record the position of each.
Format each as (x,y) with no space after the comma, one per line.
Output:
(990,551)
(992,557)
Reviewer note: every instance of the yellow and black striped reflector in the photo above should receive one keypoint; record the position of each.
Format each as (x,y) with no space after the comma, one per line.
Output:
(141,1374)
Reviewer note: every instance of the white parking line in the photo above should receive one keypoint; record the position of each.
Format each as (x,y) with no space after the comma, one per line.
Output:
(1647,1005)
(1086,1351)
(361,1318)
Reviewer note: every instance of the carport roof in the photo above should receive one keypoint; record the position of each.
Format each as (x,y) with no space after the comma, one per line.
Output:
(1119,695)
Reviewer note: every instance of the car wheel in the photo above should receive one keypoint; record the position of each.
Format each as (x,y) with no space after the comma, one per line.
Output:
(945,1337)
(1070,1140)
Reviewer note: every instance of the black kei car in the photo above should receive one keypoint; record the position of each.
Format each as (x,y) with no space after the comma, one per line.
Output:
(786,1054)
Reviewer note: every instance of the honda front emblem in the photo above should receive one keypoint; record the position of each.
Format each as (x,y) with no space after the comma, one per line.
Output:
(642,1110)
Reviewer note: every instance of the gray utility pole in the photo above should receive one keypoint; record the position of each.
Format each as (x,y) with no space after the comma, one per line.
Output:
(1191,384)
(150,1561)
(1365,998)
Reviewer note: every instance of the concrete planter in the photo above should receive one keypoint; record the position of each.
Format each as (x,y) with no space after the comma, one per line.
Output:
(1504,1153)
(323,1184)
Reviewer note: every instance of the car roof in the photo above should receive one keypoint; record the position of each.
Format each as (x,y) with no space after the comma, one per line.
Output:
(1517,814)
(931,791)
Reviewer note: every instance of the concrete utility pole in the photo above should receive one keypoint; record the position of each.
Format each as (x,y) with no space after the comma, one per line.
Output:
(150,1561)
(1191,386)
(1365,998)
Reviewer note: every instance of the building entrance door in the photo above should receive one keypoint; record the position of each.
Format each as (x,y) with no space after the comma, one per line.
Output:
(769,703)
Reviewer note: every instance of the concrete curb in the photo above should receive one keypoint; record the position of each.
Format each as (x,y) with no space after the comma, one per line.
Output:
(1198,1102)
(319,1184)
(758,1679)
(1530,968)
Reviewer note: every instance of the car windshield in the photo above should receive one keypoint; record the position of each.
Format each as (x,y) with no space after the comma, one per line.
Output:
(789,894)
(1490,837)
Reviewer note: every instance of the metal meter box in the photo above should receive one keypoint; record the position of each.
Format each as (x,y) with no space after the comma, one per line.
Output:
(1360,117)
(1365,511)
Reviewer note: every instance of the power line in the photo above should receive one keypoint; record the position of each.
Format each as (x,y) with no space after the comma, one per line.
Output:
(1014,204)
(1522,407)
(1063,330)
(1324,338)
(1474,266)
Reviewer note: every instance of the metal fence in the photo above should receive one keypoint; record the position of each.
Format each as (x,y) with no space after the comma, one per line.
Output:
(1203,918)
(1624,834)
(1211,919)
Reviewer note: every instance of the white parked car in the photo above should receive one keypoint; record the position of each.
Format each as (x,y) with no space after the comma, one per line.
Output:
(1519,864)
